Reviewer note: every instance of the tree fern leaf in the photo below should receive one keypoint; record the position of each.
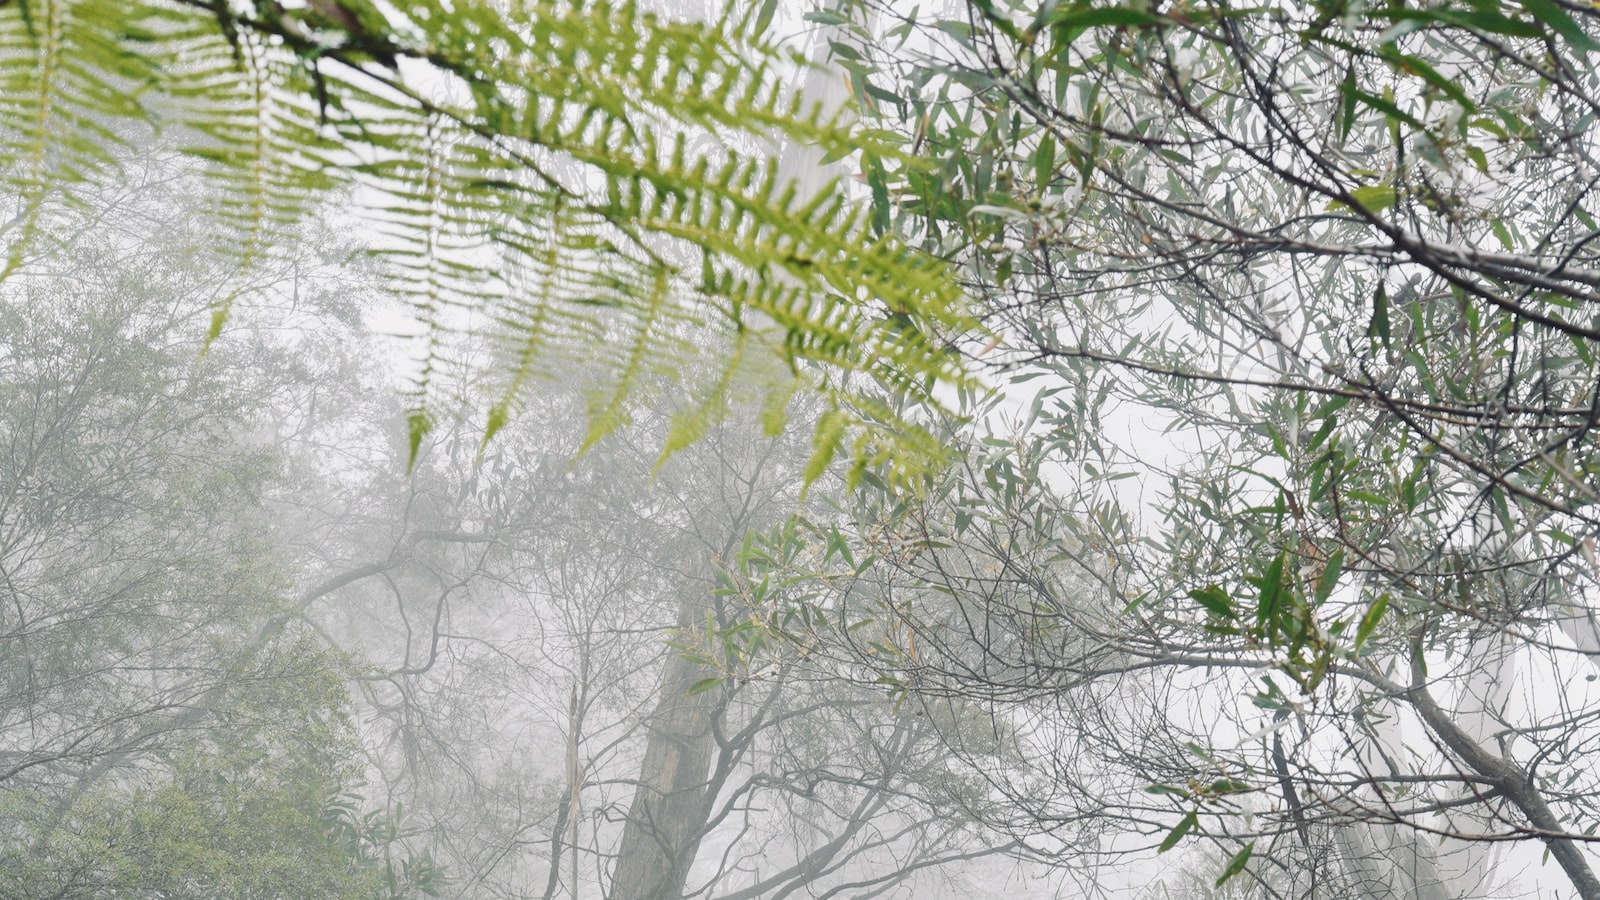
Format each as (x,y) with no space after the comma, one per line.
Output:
(774,412)
(55,104)
(826,442)
(569,178)
(418,425)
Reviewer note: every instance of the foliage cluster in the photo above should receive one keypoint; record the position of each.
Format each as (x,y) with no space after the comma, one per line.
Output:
(1310,289)
(166,727)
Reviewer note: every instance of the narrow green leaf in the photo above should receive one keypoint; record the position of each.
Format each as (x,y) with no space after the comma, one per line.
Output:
(1330,575)
(1326,410)
(1347,102)
(1380,315)
(1044,162)
(1264,701)
(1279,446)
(1374,197)
(764,15)
(1178,831)
(1481,19)
(703,685)
(1502,233)
(1422,69)
(1367,497)
(880,196)
(1559,21)
(1369,622)
(1580,345)
(1215,600)
(1236,864)
(1091,18)
(961,31)
(1408,488)
(843,547)
(997,19)
(1271,592)
(1393,113)
(823,17)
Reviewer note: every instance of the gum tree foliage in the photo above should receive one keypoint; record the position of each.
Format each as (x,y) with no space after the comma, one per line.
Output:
(1316,276)
(132,507)
(1299,300)
(578,181)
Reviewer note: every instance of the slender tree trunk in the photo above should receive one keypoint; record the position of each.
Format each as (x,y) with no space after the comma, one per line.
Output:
(671,804)
(1514,786)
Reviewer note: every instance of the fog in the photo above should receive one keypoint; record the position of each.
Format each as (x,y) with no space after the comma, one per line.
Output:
(851,450)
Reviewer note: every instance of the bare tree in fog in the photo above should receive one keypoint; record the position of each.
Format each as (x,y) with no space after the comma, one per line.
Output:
(559,724)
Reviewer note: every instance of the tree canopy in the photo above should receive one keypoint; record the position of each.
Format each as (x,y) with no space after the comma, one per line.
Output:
(1218,385)
(1309,290)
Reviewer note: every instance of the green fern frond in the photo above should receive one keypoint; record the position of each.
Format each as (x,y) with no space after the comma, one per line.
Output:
(67,85)
(581,183)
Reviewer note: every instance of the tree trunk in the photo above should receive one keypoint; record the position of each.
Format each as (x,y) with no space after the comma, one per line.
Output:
(670,805)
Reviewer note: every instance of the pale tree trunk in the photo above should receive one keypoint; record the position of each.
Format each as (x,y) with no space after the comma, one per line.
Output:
(1481,709)
(671,803)
(1392,861)
(1396,862)
(1501,772)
